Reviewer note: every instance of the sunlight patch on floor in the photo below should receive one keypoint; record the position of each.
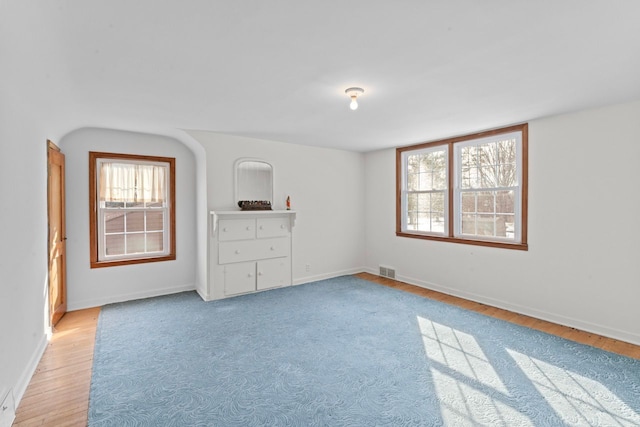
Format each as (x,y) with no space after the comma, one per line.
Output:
(576,399)
(469,388)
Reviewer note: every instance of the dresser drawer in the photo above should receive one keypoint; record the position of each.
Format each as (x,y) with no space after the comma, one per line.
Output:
(272,227)
(247,250)
(236,229)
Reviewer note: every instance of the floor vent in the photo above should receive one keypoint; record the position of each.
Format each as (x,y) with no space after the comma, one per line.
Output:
(387,272)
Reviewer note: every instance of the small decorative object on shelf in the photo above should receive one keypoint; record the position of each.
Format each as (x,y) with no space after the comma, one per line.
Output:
(288,203)
(255,205)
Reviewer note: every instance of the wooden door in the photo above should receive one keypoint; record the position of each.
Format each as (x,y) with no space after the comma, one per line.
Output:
(57,234)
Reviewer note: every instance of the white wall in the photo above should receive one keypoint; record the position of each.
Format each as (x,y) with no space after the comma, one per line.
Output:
(23,254)
(87,287)
(24,130)
(582,268)
(326,187)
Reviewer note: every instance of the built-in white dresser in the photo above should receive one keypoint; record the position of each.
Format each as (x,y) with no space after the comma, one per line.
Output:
(249,251)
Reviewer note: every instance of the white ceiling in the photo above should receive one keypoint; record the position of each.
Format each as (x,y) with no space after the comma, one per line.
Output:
(278,69)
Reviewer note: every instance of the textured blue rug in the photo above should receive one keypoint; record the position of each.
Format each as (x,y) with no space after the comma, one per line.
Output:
(345,352)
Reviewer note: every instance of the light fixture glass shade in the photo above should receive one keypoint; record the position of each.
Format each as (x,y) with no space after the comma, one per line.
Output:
(354,103)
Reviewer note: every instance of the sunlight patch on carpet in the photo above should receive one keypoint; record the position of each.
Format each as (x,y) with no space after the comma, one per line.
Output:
(578,400)
(468,388)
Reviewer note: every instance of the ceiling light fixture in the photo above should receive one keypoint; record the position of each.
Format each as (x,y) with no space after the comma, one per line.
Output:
(353,93)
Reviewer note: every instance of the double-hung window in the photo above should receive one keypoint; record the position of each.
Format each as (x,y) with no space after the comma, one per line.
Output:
(132,209)
(470,189)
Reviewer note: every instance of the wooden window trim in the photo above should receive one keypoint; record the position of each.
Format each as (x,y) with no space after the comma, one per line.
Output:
(450,142)
(93,210)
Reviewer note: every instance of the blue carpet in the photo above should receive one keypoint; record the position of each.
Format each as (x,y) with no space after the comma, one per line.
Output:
(345,352)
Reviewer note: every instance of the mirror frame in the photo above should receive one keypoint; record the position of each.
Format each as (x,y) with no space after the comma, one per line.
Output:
(236,173)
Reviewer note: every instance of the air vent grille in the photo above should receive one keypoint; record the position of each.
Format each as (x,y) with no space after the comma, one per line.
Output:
(387,272)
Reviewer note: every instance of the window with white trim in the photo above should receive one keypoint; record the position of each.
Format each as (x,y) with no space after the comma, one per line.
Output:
(425,197)
(470,189)
(132,215)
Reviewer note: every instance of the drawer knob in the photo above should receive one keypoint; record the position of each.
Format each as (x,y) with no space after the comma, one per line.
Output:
(260,273)
(273,248)
(224,229)
(260,227)
(248,228)
(237,251)
(249,275)
(282,226)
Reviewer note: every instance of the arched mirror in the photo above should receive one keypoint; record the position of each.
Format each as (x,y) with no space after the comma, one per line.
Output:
(254,184)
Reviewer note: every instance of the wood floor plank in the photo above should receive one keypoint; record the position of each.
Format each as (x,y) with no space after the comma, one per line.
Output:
(58,394)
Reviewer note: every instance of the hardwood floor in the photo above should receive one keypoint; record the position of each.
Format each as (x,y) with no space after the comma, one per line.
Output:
(58,394)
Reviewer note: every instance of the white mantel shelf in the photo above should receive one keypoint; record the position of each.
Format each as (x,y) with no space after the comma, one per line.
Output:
(217,215)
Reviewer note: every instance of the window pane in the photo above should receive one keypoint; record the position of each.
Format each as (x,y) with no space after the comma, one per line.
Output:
(485,202)
(427,171)
(483,222)
(488,165)
(424,181)
(470,178)
(154,242)
(488,176)
(114,244)
(508,175)
(505,201)
(413,170)
(485,225)
(504,226)
(155,221)
(437,212)
(469,202)
(135,221)
(424,223)
(468,224)
(509,225)
(425,212)
(135,243)
(437,203)
(412,221)
(114,222)
(438,162)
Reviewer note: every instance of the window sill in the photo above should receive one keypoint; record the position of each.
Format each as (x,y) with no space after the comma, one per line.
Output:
(493,244)
(115,263)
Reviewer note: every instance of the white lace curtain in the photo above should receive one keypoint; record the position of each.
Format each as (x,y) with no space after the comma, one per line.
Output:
(132,183)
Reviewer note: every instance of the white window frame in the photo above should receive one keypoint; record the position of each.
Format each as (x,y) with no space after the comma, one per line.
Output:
(457,207)
(406,192)
(103,209)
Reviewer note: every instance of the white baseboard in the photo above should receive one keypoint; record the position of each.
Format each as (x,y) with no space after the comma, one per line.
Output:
(99,302)
(23,382)
(324,276)
(557,318)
